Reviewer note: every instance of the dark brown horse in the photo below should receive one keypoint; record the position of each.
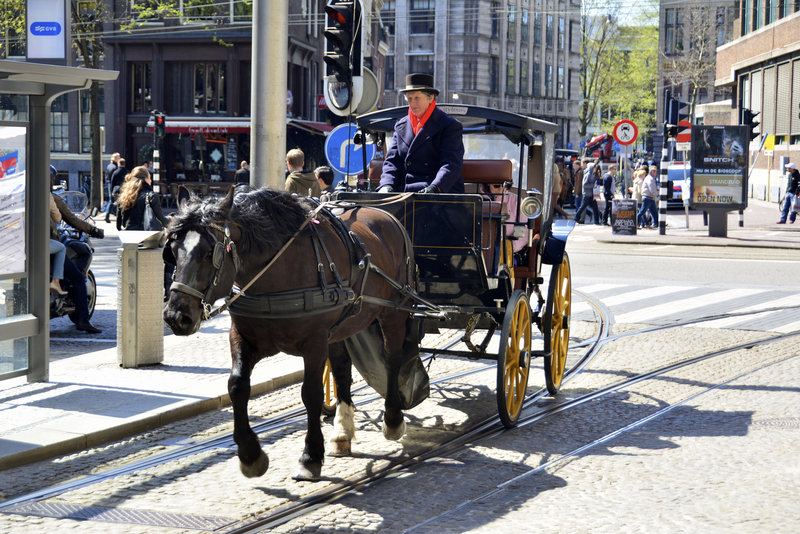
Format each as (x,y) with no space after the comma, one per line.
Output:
(316,292)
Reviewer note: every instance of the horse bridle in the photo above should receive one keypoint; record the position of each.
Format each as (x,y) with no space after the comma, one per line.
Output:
(221,248)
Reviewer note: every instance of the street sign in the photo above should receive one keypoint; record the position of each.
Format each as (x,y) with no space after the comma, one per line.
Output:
(343,154)
(684,132)
(625,132)
(683,146)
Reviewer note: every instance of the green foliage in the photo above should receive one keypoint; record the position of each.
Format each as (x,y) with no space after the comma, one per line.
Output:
(12,28)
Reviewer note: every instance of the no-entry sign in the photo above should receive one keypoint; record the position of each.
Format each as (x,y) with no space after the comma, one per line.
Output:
(625,132)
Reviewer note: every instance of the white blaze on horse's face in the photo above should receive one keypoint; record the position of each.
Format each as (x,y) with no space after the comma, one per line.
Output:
(188,247)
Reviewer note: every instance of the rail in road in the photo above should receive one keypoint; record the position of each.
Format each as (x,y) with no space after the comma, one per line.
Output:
(463,404)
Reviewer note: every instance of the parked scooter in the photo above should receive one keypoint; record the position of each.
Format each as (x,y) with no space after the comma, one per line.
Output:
(79,250)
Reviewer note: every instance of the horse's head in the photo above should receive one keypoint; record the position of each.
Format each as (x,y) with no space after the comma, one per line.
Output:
(201,244)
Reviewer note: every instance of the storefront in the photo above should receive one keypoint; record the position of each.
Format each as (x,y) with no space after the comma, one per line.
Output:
(210,149)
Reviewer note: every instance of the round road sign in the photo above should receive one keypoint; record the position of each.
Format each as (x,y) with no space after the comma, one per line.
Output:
(343,153)
(625,132)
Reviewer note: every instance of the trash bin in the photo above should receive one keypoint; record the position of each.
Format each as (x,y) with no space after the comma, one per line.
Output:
(140,299)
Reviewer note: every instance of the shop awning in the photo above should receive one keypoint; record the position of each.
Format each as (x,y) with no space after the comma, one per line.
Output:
(229,125)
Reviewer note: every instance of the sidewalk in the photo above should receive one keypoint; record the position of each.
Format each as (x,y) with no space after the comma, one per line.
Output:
(90,400)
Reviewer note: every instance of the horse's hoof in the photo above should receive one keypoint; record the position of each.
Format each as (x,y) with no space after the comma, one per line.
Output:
(340,448)
(394,433)
(310,472)
(257,468)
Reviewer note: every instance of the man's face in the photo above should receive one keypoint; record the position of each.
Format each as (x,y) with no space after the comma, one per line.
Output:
(418,102)
(653,172)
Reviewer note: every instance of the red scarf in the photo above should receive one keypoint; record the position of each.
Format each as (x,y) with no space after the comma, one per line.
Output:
(418,123)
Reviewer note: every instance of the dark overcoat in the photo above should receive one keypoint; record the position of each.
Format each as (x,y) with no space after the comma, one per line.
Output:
(434,156)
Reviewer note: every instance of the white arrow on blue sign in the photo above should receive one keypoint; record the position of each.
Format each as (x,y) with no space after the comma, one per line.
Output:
(342,152)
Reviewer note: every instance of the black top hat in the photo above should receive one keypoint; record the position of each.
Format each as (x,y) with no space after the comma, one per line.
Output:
(420,82)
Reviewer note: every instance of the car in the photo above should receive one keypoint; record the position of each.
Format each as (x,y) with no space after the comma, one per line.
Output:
(679,174)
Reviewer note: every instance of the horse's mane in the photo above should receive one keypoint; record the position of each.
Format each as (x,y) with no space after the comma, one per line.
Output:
(267,218)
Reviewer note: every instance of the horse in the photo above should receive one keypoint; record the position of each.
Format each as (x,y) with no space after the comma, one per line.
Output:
(304,282)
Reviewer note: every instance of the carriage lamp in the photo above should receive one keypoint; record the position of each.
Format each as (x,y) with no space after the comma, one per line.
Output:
(531,206)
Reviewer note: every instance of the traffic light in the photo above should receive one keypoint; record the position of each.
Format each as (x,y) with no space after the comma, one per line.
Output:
(160,124)
(343,40)
(748,118)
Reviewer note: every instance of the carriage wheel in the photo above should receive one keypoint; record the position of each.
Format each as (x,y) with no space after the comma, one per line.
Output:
(514,359)
(329,390)
(556,324)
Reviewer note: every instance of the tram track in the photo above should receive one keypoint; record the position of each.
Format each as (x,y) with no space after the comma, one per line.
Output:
(483,430)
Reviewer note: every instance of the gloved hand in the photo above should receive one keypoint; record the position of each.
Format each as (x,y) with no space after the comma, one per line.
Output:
(386,189)
(431,189)
(97,232)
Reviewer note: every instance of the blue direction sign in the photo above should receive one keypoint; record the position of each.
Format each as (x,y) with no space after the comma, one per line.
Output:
(342,152)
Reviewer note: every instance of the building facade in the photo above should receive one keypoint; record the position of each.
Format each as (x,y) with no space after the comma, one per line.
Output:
(518,55)
(761,69)
(689,33)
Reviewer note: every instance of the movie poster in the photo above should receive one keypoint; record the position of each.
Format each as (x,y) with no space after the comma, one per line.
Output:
(12,200)
(719,166)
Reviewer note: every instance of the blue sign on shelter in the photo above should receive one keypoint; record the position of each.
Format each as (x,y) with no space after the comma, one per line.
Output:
(342,152)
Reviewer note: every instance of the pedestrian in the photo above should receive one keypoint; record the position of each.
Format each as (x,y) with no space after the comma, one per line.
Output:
(609,184)
(575,185)
(117,179)
(299,181)
(591,176)
(649,198)
(58,251)
(792,190)
(242,174)
(134,197)
(110,168)
(324,176)
(636,186)
(433,165)
(72,273)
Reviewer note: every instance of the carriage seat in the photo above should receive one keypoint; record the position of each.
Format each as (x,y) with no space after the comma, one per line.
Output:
(474,171)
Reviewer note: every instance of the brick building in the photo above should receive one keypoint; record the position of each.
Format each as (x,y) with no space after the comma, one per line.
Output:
(761,67)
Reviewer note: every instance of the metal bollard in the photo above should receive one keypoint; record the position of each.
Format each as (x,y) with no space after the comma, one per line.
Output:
(140,292)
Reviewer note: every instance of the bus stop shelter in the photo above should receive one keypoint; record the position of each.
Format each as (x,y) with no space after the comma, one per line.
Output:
(24,287)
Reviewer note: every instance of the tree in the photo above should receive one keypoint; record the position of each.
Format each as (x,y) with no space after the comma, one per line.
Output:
(691,56)
(635,84)
(600,59)
(12,27)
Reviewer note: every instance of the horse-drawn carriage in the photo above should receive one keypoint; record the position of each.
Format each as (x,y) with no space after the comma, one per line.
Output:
(480,255)
(313,279)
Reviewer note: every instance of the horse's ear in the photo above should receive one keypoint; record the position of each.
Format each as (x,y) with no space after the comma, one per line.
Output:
(226,203)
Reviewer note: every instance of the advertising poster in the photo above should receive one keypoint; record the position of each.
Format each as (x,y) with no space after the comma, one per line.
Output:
(12,200)
(623,217)
(719,166)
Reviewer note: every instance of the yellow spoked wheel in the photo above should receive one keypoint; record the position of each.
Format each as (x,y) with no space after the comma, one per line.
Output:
(514,358)
(328,390)
(556,324)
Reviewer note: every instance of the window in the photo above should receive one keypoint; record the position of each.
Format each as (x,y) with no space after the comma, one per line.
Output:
(59,125)
(523,31)
(560,81)
(140,88)
(493,75)
(510,77)
(548,81)
(511,30)
(537,29)
(86,132)
(388,81)
(422,64)
(388,16)
(562,30)
(673,33)
(471,77)
(537,80)
(549,34)
(421,17)
(771,11)
(523,78)
(495,19)
(196,88)
(758,14)
(472,14)
(746,20)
